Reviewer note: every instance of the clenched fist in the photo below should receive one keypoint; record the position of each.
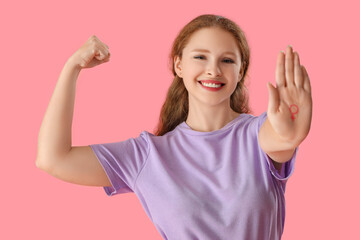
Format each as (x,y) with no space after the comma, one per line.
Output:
(92,53)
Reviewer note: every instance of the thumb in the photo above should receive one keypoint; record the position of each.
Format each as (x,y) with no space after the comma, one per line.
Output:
(274,100)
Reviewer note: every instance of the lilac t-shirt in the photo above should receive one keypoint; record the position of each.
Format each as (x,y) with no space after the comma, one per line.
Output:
(202,185)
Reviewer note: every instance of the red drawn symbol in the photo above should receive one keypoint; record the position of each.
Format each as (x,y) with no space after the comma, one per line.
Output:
(292,106)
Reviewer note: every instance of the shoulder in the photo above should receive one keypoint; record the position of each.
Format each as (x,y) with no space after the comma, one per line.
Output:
(251,122)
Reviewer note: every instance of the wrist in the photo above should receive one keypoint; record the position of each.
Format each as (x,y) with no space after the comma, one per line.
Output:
(71,64)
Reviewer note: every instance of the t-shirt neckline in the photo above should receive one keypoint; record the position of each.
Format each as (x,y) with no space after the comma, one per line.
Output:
(187,129)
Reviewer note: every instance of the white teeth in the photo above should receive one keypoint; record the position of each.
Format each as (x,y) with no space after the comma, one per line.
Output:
(213,85)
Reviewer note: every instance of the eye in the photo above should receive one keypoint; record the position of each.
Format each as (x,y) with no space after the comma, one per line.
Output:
(198,57)
(228,60)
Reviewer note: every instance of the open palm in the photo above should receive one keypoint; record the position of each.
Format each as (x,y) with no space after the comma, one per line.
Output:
(290,103)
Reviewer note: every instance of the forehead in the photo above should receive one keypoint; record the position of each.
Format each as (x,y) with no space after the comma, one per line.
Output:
(214,40)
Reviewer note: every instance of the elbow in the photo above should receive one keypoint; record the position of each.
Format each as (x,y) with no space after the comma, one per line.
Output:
(38,164)
(43,165)
(48,162)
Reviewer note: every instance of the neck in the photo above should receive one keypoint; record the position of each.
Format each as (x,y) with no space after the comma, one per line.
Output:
(205,118)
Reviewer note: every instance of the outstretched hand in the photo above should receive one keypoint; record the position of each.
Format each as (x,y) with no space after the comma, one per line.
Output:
(290,103)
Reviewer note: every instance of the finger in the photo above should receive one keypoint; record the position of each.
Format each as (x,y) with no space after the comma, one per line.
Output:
(307,85)
(105,51)
(289,66)
(280,70)
(102,53)
(274,99)
(107,58)
(299,81)
(99,55)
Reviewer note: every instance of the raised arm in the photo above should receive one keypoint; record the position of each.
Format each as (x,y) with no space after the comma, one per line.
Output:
(55,153)
(289,110)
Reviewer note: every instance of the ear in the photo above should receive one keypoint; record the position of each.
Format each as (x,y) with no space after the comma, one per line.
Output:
(177,66)
(240,76)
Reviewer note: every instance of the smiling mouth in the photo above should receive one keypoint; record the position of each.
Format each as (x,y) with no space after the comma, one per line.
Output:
(211,84)
(213,87)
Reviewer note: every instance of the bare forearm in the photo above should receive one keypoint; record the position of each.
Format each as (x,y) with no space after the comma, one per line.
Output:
(54,138)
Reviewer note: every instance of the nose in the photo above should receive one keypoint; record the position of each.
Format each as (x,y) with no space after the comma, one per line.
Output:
(213,69)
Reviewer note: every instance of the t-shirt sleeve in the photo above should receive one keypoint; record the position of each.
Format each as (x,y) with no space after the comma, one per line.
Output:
(122,162)
(288,167)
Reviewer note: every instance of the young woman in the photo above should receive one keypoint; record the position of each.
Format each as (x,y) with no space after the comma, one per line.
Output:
(212,170)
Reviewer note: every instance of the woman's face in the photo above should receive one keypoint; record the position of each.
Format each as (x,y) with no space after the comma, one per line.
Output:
(211,54)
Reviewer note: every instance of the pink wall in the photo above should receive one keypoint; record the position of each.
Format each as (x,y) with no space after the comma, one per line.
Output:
(119,99)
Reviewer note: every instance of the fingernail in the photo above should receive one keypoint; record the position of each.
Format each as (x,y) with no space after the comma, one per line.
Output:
(290,45)
(282,51)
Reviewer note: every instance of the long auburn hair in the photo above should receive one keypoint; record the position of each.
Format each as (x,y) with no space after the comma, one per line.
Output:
(176,106)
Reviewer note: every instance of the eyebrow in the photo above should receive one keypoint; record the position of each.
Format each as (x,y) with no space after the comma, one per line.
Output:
(205,50)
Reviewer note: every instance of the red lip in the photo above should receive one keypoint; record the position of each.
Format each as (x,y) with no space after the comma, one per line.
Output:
(211,81)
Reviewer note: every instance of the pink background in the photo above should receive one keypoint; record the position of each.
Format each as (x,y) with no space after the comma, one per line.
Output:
(123,97)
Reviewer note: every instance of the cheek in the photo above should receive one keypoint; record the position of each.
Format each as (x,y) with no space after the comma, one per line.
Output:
(235,74)
(234,69)
(193,72)
(189,82)
(196,67)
